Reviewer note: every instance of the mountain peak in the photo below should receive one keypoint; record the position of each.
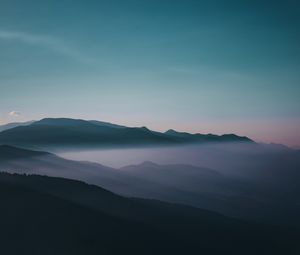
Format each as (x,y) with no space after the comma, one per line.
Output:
(60,121)
(145,129)
(174,132)
(171,131)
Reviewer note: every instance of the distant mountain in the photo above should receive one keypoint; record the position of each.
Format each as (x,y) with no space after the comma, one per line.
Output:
(14,124)
(207,137)
(72,133)
(43,215)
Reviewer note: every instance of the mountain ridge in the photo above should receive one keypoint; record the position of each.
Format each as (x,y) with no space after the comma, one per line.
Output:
(66,132)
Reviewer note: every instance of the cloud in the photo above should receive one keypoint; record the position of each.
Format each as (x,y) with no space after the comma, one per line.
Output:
(14,113)
(52,43)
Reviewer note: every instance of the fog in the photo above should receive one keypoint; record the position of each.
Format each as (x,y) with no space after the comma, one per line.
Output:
(199,155)
(255,181)
(241,159)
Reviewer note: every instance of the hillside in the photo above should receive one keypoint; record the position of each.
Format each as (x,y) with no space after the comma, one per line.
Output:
(59,216)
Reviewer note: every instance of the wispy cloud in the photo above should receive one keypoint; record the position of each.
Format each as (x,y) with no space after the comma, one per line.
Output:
(14,113)
(50,42)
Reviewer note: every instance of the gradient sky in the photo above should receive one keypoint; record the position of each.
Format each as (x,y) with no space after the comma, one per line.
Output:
(199,66)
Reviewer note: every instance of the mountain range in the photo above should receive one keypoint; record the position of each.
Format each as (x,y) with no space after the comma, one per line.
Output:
(242,199)
(231,196)
(71,133)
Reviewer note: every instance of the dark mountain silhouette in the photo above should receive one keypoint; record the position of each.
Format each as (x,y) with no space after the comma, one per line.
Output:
(267,192)
(43,215)
(71,133)
(208,137)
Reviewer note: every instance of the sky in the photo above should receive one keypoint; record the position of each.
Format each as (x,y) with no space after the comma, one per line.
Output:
(199,66)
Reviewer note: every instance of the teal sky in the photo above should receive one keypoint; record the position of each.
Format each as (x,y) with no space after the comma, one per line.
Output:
(199,66)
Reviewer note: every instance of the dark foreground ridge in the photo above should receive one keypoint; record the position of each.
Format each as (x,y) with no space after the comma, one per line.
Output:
(46,215)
